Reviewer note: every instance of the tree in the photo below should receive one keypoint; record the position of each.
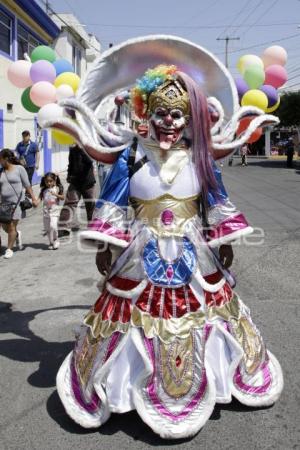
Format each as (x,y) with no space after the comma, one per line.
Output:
(289,109)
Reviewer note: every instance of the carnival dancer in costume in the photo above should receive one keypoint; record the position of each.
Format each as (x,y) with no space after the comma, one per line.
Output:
(168,337)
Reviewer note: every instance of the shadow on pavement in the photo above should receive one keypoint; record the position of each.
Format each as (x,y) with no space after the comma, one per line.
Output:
(32,348)
(36,246)
(130,423)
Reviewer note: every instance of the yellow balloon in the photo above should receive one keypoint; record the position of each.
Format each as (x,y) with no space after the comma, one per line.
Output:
(274,107)
(255,97)
(62,138)
(248,60)
(68,78)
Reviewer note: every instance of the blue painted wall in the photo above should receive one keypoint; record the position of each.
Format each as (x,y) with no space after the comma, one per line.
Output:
(47,153)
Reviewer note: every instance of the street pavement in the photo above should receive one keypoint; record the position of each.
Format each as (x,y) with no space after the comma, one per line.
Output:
(44,295)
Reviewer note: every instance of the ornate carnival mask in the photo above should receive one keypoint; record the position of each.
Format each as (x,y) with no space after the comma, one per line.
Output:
(161,99)
(168,112)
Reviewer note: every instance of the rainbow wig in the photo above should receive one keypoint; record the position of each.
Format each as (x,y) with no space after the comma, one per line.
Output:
(148,83)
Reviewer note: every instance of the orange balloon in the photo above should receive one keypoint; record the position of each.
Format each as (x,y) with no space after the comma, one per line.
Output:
(244,124)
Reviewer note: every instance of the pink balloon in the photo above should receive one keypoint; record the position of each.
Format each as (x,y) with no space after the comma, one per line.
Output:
(18,73)
(276,75)
(42,70)
(43,93)
(274,55)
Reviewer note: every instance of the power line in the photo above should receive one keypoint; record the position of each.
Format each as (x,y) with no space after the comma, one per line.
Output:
(256,6)
(260,17)
(293,69)
(265,43)
(51,10)
(288,87)
(234,19)
(202,11)
(295,76)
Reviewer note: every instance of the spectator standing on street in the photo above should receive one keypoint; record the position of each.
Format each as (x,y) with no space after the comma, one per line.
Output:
(290,153)
(28,154)
(244,152)
(82,185)
(51,194)
(13,181)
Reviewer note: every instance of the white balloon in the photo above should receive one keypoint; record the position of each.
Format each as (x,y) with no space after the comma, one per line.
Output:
(64,91)
(49,112)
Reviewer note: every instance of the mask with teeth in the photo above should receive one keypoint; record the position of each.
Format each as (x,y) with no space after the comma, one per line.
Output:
(168,113)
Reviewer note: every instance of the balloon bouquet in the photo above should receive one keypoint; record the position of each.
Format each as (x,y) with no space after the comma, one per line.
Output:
(261,77)
(51,90)
(47,80)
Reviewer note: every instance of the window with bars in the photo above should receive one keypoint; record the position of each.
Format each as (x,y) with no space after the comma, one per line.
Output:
(26,42)
(5,33)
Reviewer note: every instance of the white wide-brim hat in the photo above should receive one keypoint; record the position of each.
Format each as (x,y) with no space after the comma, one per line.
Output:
(119,67)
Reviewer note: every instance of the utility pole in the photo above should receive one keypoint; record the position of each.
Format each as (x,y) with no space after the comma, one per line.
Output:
(227,39)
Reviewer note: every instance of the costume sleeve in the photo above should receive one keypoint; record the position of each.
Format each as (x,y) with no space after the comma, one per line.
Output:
(111,220)
(226,222)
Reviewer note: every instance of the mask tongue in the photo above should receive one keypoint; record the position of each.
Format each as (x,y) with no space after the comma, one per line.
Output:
(165,141)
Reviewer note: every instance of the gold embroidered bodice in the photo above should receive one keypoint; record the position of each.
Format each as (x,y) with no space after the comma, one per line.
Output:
(166,215)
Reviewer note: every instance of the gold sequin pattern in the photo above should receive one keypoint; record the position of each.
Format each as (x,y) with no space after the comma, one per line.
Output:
(150,213)
(103,328)
(167,329)
(176,366)
(169,95)
(84,359)
(244,332)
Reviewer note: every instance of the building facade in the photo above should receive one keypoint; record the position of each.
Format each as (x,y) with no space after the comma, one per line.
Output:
(24,26)
(81,49)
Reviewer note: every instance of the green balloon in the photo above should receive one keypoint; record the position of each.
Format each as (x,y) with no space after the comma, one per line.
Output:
(254,76)
(27,103)
(43,52)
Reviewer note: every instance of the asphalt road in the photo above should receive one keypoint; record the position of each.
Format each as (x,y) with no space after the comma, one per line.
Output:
(44,294)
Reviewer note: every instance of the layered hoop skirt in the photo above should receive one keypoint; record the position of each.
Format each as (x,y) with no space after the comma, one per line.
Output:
(169,340)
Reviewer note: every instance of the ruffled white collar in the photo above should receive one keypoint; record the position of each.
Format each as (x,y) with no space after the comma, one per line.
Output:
(169,163)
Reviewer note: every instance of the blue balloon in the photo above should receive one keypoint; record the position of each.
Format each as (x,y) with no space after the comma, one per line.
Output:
(62,65)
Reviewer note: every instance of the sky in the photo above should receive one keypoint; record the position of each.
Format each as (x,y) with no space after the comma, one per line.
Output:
(257,23)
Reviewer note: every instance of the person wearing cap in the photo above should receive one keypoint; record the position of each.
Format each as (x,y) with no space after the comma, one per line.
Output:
(28,153)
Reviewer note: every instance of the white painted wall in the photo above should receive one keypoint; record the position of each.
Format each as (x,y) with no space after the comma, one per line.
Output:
(60,155)
(63,46)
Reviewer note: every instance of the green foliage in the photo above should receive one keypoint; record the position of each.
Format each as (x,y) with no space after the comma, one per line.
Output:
(289,109)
